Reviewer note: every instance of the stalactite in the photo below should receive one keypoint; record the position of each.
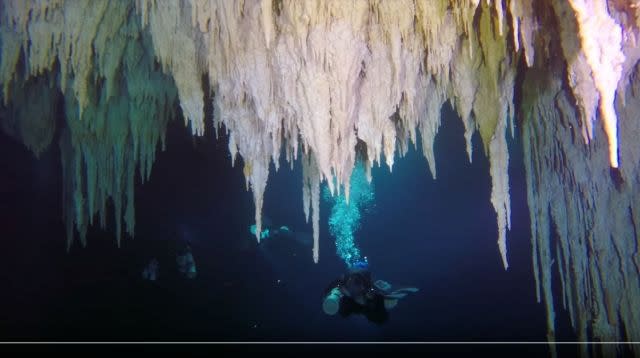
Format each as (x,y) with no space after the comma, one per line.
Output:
(311,198)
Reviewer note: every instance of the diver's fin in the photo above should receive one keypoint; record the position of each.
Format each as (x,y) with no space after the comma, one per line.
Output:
(401,293)
(408,289)
(395,295)
(382,285)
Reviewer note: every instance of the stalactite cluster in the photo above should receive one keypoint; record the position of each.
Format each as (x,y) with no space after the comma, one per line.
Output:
(323,77)
(116,100)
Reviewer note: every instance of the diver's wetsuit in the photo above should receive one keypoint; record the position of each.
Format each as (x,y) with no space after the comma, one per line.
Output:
(360,296)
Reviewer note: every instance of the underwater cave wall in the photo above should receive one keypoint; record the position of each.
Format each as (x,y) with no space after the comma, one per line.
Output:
(584,213)
(584,216)
(116,101)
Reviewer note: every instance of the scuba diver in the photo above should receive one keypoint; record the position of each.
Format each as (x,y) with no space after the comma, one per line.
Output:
(184,238)
(355,292)
(180,248)
(186,263)
(282,235)
(151,271)
(269,232)
(278,242)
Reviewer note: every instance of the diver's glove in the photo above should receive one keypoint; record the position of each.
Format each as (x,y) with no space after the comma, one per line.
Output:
(391,298)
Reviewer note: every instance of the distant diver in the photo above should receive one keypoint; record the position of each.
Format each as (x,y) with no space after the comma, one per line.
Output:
(355,293)
(150,272)
(270,233)
(186,263)
(184,239)
(180,240)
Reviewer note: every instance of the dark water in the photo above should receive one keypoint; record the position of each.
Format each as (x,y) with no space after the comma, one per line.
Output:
(437,235)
